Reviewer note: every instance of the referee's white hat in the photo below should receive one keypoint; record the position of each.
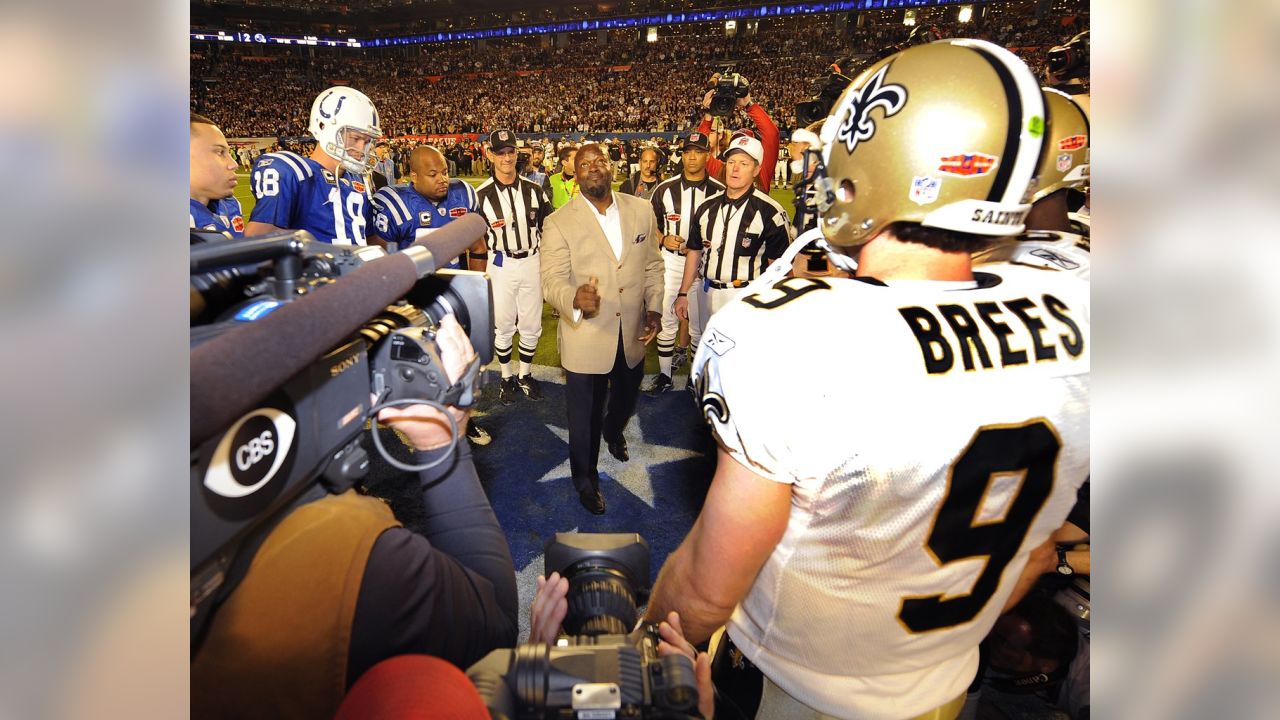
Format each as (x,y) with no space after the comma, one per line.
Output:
(748,145)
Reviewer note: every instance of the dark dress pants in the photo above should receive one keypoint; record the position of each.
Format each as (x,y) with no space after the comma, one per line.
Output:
(586,398)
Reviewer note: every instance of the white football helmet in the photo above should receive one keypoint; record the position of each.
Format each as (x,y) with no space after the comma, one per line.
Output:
(345,124)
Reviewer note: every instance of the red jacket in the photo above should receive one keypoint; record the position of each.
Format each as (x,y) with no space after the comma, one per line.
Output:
(766,133)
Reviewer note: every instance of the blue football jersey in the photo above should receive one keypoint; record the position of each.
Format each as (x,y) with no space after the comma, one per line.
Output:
(224,216)
(299,194)
(402,215)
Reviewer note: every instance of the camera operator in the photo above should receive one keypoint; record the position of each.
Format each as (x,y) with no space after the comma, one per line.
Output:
(550,607)
(766,132)
(339,585)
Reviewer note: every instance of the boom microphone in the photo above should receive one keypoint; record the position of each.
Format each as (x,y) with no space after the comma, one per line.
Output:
(233,372)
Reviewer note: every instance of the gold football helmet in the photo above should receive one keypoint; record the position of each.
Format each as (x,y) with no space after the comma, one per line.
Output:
(1065,163)
(947,135)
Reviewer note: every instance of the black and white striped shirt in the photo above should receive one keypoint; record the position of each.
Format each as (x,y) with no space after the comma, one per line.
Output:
(739,238)
(514,212)
(676,200)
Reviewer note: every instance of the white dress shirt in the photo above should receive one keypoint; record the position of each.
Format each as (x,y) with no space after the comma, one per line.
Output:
(611,224)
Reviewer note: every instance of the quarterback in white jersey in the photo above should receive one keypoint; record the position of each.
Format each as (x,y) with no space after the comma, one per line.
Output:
(872,515)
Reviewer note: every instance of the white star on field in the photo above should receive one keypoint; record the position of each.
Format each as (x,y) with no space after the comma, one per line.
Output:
(633,474)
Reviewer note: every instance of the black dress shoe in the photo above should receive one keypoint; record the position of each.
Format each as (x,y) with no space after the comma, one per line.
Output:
(593,501)
(618,448)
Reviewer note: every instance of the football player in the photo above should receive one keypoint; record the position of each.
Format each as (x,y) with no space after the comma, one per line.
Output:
(865,528)
(326,194)
(1050,240)
(213,180)
(429,201)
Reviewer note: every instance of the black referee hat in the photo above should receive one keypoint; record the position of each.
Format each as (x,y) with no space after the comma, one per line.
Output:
(502,139)
(697,140)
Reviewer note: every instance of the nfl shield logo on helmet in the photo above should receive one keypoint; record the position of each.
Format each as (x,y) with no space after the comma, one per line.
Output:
(1064,162)
(424,218)
(924,190)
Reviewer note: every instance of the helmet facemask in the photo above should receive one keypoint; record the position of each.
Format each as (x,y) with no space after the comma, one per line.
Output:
(344,149)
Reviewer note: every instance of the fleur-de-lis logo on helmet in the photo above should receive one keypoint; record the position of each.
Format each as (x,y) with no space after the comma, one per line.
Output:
(857,125)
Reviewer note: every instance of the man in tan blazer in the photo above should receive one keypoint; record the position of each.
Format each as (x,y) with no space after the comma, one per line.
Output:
(602,271)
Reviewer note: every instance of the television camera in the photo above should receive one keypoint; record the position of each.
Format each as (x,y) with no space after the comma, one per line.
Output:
(603,668)
(295,343)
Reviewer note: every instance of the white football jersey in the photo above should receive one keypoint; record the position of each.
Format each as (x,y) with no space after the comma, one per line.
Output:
(934,433)
(1047,249)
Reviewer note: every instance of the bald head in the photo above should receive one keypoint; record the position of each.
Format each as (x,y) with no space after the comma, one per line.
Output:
(589,150)
(429,172)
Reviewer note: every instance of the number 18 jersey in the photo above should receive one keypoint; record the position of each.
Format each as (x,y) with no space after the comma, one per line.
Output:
(933,433)
(297,193)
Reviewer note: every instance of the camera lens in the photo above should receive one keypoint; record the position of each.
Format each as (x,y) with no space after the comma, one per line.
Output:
(601,602)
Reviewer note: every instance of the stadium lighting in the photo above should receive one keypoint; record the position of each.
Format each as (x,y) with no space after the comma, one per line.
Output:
(909,17)
(966,13)
(652,35)
(730,24)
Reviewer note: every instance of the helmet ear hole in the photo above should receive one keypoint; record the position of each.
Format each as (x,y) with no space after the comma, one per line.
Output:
(845,192)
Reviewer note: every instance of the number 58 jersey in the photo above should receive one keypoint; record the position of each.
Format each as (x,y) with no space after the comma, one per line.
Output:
(933,433)
(298,193)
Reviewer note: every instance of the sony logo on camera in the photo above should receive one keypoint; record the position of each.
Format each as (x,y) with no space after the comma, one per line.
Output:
(251,453)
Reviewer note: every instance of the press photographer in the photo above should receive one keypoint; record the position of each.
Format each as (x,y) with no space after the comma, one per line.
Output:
(607,665)
(300,583)
(730,92)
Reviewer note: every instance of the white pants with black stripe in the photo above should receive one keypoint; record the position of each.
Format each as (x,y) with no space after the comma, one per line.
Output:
(672,277)
(517,302)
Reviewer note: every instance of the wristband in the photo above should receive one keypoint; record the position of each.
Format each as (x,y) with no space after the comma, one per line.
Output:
(478,255)
(683,294)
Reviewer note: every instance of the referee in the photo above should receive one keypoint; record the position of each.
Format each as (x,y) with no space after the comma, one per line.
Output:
(734,235)
(674,203)
(514,207)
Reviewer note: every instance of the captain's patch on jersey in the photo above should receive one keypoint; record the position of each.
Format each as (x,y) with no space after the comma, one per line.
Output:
(718,342)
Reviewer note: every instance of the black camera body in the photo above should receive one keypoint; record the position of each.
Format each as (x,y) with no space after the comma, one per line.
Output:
(303,441)
(730,88)
(1069,63)
(603,669)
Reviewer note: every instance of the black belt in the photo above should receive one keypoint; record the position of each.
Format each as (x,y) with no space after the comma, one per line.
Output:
(725,286)
(522,255)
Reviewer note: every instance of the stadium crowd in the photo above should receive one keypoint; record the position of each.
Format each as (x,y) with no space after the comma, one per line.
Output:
(624,85)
